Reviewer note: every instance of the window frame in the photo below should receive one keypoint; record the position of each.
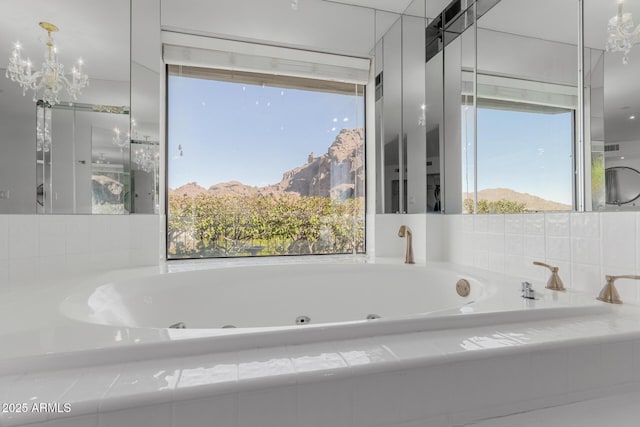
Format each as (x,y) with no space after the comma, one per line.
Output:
(329,84)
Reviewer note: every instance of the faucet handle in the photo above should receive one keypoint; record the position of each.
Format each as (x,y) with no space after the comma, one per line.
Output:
(550,267)
(554,283)
(609,293)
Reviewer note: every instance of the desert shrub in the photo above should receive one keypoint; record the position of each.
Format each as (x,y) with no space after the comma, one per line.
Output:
(496,207)
(236,225)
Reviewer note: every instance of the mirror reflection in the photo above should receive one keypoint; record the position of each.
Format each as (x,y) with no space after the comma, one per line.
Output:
(93,140)
(623,185)
(400,112)
(527,101)
(145,106)
(612,107)
(69,144)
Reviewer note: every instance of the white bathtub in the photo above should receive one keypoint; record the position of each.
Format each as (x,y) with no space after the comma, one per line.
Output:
(125,315)
(274,296)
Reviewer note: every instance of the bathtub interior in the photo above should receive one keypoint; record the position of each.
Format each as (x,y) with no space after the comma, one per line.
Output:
(272,296)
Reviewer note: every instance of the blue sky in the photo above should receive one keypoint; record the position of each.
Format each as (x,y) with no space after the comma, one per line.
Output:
(250,133)
(527,152)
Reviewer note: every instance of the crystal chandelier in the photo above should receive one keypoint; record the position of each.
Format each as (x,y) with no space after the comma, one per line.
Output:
(118,139)
(146,156)
(622,33)
(50,79)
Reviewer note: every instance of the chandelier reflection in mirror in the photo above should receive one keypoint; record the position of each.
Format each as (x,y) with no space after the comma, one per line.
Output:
(43,126)
(622,33)
(119,139)
(49,81)
(146,155)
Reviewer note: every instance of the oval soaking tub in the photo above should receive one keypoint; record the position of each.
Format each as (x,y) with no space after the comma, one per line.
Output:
(125,315)
(273,296)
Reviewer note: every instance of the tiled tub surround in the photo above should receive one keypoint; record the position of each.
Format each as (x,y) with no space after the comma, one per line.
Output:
(379,373)
(38,248)
(386,378)
(586,246)
(433,378)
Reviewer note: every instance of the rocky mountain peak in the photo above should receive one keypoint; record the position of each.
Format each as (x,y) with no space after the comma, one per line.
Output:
(331,174)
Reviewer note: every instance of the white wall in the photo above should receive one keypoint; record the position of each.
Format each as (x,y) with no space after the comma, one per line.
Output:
(389,245)
(429,236)
(36,248)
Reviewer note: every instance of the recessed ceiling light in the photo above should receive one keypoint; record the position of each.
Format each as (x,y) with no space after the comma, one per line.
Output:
(632,117)
(621,157)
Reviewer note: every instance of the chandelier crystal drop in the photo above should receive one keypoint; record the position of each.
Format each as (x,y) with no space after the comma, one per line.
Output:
(48,82)
(622,33)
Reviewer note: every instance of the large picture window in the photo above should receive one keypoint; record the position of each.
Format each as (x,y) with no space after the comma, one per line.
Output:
(263,165)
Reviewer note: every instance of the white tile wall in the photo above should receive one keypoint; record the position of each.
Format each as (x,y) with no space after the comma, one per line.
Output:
(388,244)
(36,247)
(585,246)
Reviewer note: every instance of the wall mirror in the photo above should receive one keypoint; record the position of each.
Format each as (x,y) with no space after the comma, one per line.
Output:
(82,158)
(526,110)
(145,106)
(622,185)
(612,105)
(499,117)
(503,107)
(83,155)
(400,113)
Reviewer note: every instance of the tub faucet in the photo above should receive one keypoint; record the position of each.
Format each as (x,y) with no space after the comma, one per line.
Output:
(609,293)
(554,283)
(408,257)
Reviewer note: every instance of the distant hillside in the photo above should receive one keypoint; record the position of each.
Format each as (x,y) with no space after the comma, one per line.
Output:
(331,174)
(532,203)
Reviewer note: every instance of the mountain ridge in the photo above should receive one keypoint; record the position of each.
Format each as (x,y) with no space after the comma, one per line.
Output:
(531,202)
(337,173)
